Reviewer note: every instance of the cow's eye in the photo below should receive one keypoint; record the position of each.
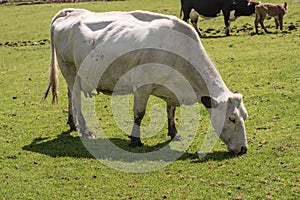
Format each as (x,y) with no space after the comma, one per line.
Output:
(232,119)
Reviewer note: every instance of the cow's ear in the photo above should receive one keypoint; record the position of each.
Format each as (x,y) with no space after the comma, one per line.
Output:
(209,102)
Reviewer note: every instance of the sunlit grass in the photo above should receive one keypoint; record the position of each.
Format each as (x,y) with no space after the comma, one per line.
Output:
(40,159)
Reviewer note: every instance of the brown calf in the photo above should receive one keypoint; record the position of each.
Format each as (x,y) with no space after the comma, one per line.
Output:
(262,10)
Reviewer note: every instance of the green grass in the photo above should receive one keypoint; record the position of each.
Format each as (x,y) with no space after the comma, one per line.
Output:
(40,159)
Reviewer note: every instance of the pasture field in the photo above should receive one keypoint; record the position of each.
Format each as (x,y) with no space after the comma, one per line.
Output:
(41,159)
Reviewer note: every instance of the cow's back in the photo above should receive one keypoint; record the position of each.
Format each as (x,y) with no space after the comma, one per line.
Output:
(75,31)
(271,9)
(71,20)
(108,45)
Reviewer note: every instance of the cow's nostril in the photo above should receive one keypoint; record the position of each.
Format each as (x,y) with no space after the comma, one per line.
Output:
(244,149)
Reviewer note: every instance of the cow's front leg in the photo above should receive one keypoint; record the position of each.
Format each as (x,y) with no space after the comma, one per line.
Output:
(263,26)
(261,21)
(141,97)
(72,121)
(280,21)
(256,21)
(227,23)
(276,22)
(76,100)
(172,131)
(227,31)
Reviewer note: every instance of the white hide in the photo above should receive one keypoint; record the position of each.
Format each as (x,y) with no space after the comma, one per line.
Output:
(138,48)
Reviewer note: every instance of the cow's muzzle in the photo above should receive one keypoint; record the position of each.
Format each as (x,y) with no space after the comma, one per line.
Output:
(240,150)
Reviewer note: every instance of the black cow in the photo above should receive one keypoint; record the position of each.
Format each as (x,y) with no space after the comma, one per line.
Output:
(211,8)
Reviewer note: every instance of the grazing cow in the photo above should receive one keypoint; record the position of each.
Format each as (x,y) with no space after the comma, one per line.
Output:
(97,50)
(262,10)
(212,8)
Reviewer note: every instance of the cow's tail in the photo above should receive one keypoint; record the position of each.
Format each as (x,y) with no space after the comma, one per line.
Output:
(53,76)
(53,71)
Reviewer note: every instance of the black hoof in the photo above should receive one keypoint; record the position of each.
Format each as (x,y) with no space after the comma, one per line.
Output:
(75,128)
(135,142)
(72,125)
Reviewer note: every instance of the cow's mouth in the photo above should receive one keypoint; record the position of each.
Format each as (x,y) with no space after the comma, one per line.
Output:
(240,150)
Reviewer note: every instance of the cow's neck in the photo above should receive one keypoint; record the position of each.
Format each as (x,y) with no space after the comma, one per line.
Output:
(209,81)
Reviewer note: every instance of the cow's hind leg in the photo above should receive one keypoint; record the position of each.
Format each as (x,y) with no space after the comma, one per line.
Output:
(72,121)
(280,21)
(76,100)
(256,21)
(141,97)
(276,22)
(226,21)
(195,25)
(172,131)
(69,73)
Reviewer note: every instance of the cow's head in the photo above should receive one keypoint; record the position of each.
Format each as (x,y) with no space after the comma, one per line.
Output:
(228,117)
(244,7)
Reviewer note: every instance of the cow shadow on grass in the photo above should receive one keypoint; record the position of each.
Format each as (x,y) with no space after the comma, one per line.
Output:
(115,149)
(64,145)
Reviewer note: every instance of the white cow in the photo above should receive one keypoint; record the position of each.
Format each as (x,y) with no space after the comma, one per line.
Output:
(145,54)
